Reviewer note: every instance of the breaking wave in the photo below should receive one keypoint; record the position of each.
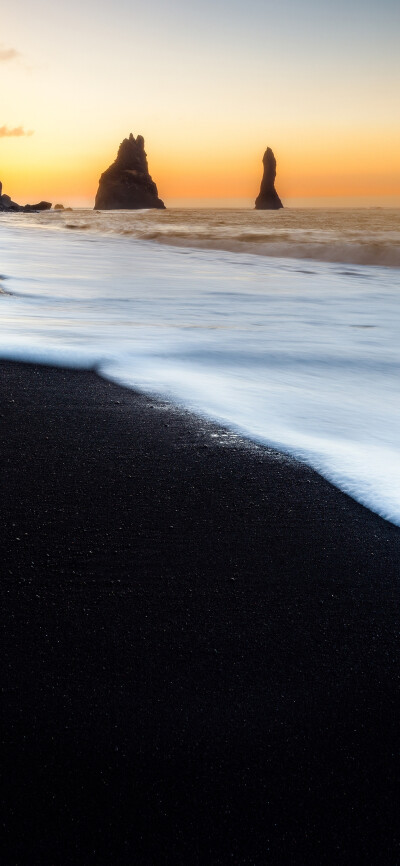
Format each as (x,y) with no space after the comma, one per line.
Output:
(362,253)
(302,357)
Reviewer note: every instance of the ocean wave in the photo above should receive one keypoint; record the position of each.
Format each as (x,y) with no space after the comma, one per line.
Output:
(309,365)
(78,226)
(348,236)
(3,291)
(362,253)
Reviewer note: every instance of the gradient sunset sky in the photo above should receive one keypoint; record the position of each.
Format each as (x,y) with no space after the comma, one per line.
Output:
(209,85)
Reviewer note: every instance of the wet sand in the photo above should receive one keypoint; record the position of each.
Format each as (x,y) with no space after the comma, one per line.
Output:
(201,641)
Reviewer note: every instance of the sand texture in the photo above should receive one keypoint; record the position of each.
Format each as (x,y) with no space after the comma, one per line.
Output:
(201,641)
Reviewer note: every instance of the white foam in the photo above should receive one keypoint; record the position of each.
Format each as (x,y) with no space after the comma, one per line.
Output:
(308,362)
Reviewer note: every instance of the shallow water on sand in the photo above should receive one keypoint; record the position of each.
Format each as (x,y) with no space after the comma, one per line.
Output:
(303,355)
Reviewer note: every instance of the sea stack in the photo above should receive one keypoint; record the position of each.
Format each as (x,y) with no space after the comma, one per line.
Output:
(127,184)
(268,199)
(10,206)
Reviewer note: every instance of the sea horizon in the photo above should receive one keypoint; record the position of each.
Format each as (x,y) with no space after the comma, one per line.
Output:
(247,203)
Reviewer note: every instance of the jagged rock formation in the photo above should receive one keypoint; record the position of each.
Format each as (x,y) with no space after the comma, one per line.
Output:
(268,198)
(127,182)
(41,205)
(7,205)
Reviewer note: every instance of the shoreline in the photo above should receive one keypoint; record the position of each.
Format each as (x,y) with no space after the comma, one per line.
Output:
(201,640)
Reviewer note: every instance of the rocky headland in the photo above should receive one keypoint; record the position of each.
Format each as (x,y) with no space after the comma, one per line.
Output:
(127,184)
(268,198)
(9,206)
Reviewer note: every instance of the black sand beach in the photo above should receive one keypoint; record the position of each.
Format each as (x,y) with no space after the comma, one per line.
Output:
(201,642)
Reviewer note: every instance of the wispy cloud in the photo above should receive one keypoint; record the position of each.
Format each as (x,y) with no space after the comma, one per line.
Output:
(5,132)
(8,54)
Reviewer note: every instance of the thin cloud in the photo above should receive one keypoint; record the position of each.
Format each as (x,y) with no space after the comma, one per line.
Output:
(8,54)
(5,132)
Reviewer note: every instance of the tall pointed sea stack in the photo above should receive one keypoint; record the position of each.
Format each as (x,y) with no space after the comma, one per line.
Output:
(127,183)
(268,199)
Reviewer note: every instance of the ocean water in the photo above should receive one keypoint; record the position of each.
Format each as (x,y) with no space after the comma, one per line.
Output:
(284,326)
(366,236)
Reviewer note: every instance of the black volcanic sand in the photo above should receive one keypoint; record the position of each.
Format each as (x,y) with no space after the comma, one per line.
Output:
(200,646)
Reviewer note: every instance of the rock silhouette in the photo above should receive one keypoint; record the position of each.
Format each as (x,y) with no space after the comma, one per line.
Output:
(268,198)
(127,182)
(7,205)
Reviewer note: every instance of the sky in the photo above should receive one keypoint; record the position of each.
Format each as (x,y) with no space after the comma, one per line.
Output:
(209,84)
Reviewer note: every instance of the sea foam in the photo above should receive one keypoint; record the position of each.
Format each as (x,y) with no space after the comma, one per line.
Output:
(304,358)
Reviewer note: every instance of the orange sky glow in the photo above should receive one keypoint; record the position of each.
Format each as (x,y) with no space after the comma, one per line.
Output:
(208,98)
(30,173)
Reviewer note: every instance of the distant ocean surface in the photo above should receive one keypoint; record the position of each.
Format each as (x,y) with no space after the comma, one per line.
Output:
(364,236)
(282,325)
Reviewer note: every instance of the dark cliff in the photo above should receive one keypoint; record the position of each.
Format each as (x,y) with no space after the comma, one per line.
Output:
(268,198)
(127,184)
(9,206)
